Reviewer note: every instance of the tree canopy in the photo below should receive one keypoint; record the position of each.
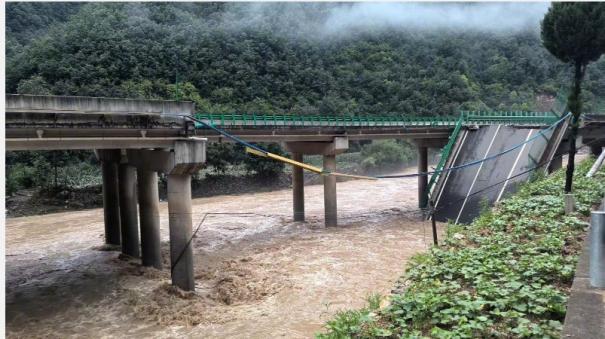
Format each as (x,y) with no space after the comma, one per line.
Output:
(575,31)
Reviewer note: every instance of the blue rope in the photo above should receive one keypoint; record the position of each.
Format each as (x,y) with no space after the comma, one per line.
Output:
(228,135)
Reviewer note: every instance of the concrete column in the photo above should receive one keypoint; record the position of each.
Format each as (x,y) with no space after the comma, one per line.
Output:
(298,189)
(149,212)
(330,190)
(179,211)
(422,179)
(111,202)
(128,210)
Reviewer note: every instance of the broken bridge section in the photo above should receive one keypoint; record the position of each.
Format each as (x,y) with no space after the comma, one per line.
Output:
(461,194)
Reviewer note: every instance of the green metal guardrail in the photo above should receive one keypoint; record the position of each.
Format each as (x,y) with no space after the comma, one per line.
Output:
(474,117)
(226,120)
(445,153)
(503,117)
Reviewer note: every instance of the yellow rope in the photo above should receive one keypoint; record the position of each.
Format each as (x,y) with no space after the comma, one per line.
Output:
(303,165)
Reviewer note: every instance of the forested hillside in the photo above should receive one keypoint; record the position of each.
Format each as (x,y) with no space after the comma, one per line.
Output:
(292,58)
(278,58)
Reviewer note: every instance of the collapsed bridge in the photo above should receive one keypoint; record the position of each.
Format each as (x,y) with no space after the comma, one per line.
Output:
(137,139)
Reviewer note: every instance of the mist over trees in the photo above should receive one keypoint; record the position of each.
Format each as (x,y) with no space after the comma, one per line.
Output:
(281,58)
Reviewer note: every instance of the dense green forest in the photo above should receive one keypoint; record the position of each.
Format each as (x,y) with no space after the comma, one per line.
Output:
(272,58)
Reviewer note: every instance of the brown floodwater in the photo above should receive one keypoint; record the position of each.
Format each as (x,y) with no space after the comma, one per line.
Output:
(257,275)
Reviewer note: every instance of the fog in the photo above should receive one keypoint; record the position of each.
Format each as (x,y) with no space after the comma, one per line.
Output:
(342,19)
(500,17)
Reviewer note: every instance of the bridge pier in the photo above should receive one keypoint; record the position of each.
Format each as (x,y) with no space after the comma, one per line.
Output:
(330,201)
(186,158)
(422,179)
(128,209)
(149,212)
(298,189)
(423,145)
(180,221)
(111,203)
(329,150)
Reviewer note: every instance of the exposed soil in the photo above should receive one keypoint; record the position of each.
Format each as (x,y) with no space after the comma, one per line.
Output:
(36,201)
(257,275)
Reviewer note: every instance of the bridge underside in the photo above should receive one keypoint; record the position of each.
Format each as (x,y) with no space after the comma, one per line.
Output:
(327,134)
(43,137)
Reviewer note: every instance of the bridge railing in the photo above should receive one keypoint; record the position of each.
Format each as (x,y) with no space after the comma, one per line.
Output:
(508,117)
(470,117)
(445,153)
(268,120)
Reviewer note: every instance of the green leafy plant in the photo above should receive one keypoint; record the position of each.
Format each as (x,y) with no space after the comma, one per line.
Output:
(507,274)
(381,153)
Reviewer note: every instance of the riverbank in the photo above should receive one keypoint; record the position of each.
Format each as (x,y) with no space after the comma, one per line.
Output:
(507,274)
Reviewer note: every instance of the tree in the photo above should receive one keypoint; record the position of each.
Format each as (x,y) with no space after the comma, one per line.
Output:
(574,32)
(35,85)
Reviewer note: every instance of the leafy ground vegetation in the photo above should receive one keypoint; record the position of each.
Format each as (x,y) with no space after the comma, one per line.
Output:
(508,274)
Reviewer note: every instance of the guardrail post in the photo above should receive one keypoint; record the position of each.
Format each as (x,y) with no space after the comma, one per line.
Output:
(597,249)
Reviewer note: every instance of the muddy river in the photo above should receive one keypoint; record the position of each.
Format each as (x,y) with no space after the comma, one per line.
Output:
(258,275)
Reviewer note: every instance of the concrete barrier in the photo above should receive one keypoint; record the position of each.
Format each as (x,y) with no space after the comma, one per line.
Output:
(597,249)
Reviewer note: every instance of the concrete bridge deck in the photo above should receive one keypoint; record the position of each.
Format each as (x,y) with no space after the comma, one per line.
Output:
(62,122)
(59,122)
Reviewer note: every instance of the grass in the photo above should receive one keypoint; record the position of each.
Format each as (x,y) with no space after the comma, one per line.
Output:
(507,274)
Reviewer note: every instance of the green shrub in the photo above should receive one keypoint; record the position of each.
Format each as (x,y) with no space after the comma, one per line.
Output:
(18,177)
(383,153)
(220,156)
(265,167)
(68,169)
(79,175)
